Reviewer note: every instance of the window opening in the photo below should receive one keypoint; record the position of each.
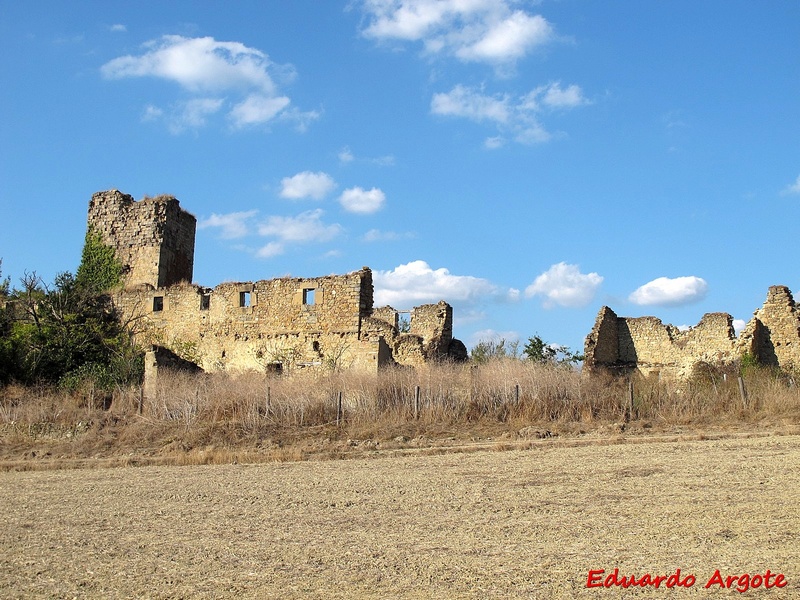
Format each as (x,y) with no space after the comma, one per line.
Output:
(308,296)
(274,368)
(158,303)
(205,301)
(244,298)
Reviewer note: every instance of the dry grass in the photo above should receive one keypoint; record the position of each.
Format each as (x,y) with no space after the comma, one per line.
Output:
(214,419)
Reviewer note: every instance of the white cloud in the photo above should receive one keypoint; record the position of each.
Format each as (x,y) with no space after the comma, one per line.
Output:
(345,155)
(670,292)
(383,161)
(487,31)
(403,20)
(233,225)
(196,64)
(471,104)
(301,119)
(509,39)
(269,250)
(181,116)
(358,200)
(417,283)
(257,108)
(118,28)
(231,71)
(193,114)
(563,284)
(376,235)
(152,113)
(305,227)
(518,116)
(738,325)
(792,188)
(554,96)
(307,185)
(492,143)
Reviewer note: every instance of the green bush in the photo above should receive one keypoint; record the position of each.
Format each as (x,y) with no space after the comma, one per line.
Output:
(69,329)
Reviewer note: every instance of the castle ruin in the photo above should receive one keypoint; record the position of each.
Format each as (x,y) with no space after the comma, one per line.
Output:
(269,325)
(646,345)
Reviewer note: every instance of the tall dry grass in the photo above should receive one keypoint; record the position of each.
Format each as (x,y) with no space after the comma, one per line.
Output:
(191,412)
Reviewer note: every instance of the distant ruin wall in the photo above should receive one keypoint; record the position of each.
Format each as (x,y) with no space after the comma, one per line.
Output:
(153,238)
(772,336)
(434,324)
(645,344)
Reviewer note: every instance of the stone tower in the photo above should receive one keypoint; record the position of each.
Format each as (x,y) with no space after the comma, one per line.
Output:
(153,238)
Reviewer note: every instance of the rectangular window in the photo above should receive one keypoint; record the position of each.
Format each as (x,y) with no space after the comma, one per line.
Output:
(244,298)
(158,303)
(308,296)
(205,301)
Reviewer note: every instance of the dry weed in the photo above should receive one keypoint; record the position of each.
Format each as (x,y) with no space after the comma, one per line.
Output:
(224,418)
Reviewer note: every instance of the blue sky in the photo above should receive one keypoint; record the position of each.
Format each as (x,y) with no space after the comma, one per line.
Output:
(528,162)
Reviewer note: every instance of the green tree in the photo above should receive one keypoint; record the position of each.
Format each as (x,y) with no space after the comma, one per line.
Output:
(100,270)
(404,324)
(537,350)
(6,347)
(487,350)
(68,332)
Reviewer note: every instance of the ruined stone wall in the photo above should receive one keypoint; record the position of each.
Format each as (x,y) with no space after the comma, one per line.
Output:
(773,334)
(434,324)
(647,345)
(153,238)
(602,344)
(252,325)
(772,338)
(388,315)
(286,323)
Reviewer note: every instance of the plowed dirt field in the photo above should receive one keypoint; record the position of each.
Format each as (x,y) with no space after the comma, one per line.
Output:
(515,524)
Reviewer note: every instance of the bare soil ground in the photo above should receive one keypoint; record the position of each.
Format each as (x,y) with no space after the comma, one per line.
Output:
(528,523)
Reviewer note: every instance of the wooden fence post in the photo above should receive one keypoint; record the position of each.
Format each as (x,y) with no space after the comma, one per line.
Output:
(516,394)
(339,415)
(743,392)
(140,406)
(416,402)
(629,408)
(269,402)
(472,383)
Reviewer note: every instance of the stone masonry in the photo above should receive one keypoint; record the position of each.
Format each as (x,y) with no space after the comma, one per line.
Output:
(153,238)
(772,336)
(646,345)
(278,325)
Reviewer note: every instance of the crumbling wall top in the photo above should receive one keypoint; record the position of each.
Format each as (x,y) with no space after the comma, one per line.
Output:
(153,238)
(647,344)
(773,334)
